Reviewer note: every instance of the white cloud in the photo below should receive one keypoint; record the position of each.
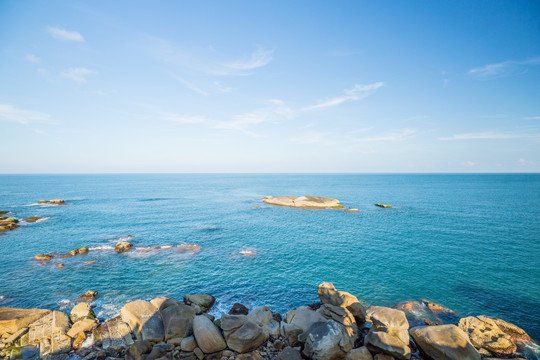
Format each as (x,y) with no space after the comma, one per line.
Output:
(62,34)
(356,93)
(532,118)
(184,119)
(259,58)
(33,58)
(503,68)
(482,136)
(522,161)
(470,163)
(25,117)
(395,136)
(78,74)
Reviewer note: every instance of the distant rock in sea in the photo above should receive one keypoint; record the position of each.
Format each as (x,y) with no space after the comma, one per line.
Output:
(306,202)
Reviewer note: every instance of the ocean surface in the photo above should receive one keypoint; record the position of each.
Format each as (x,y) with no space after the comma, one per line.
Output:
(468,242)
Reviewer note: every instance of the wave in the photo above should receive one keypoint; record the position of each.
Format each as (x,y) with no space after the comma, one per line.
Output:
(33,222)
(101,247)
(155,199)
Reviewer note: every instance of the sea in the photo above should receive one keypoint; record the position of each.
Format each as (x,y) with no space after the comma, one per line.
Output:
(470,242)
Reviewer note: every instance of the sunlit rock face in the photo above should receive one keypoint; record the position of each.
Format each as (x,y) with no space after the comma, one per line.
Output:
(308,202)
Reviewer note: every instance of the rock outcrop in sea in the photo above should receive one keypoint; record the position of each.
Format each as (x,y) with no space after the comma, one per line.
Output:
(339,327)
(306,202)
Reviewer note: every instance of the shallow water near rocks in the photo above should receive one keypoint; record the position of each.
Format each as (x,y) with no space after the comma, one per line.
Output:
(469,242)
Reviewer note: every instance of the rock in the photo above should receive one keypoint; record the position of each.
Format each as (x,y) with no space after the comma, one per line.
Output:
(516,333)
(303,317)
(325,341)
(383,205)
(161,303)
(350,210)
(50,331)
(445,342)
(290,332)
(178,321)
(249,356)
(389,333)
(207,335)
(273,328)
(16,335)
(79,340)
(361,353)
(43,257)
(83,250)
(238,309)
(289,353)
(484,333)
(261,315)
(311,202)
(7,224)
(435,308)
(57,201)
(383,357)
(201,302)
(81,311)
(80,326)
(198,353)
(113,333)
(139,348)
(157,352)
(242,334)
(329,295)
(122,246)
(60,265)
(89,295)
(410,305)
(188,344)
(14,319)
(342,316)
(32,219)
(144,319)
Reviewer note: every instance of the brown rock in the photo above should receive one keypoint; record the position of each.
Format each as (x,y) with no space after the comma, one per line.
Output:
(238,309)
(89,295)
(122,246)
(43,257)
(436,308)
(329,295)
(445,342)
(14,319)
(486,334)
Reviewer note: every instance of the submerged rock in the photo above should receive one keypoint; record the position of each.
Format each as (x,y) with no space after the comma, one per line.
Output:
(122,246)
(32,219)
(313,202)
(43,257)
(445,342)
(89,295)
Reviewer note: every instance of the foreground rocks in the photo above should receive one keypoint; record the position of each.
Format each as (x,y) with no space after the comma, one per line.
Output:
(339,327)
(309,202)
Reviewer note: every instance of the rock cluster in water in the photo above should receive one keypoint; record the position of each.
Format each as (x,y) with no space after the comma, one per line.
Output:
(306,202)
(339,327)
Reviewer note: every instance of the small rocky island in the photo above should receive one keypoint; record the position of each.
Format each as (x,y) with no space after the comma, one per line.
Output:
(305,202)
(337,327)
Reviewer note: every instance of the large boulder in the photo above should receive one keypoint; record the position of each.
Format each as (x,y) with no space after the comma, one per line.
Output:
(13,319)
(261,315)
(311,202)
(342,316)
(329,295)
(361,353)
(178,321)
(114,333)
(238,309)
(207,335)
(242,334)
(303,317)
(81,311)
(82,326)
(445,342)
(485,334)
(50,332)
(515,332)
(326,341)
(201,302)
(161,303)
(389,333)
(144,319)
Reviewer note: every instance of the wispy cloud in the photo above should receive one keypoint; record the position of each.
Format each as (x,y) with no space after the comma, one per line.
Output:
(356,93)
(503,68)
(393,136)
(26,117)
(191,86)
(221,88)
(532,118)
(62,34)
(470,163)
(483,136)
(274,113)
(184,119)
(259,58)
(78,74)
(33,58)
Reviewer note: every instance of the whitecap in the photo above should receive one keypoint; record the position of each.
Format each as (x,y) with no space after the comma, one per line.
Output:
(101,247)
(248,252)
(109,311)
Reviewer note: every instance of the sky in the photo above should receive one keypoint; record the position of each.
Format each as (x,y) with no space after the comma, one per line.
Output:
(269,86)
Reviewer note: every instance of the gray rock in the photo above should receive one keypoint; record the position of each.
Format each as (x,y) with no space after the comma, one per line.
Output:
(329,295)
(144,319)
(445,342)
(139,348)
(188,344)
(207,335)
(361,353)
(389,333)
(178,321)
(289,353)
(326,341)
(303,317)
(238,309)
(261,315)
(201,302)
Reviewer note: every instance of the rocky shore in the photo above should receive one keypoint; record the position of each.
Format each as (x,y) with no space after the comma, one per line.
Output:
(338,327)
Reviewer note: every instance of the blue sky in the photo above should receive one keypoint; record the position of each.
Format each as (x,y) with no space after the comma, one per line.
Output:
(275,86)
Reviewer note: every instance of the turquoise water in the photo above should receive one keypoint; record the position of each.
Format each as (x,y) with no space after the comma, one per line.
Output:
(469,242)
